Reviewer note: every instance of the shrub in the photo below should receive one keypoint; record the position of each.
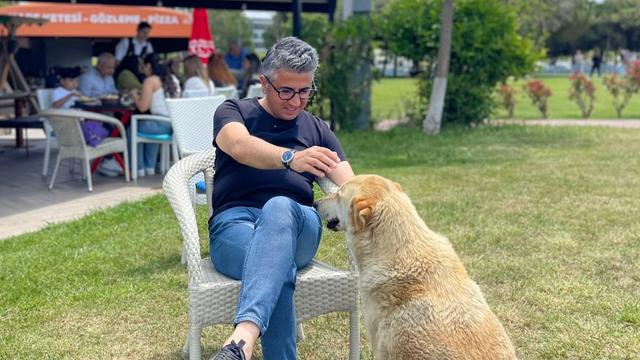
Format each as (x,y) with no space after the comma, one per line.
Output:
(621,89)
(583,93)
(507,98)
(539,93)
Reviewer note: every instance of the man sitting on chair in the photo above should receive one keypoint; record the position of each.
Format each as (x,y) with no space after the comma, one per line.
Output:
(264,228)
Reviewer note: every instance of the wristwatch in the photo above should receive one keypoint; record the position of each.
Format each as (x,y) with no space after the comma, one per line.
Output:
(287,158)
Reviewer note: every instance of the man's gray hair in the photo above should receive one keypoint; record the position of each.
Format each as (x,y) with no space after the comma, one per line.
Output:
(106,56)
(290,54)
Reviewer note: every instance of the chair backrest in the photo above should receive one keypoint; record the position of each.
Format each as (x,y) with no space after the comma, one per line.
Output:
(67,129)
(193,93)
(44,98)
(192,122)
(230,92)
(254,90)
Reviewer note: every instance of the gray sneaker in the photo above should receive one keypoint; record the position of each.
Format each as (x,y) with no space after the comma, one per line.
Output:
(231,351)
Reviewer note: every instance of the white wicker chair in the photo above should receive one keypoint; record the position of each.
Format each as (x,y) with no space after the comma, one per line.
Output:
(213,298)
(230,92)
(165,141)
(71,141)
(192,121)
(44,103)
(193,93)
(254,90)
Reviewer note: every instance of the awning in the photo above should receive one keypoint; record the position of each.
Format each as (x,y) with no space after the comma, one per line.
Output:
(99,21)
(324,6)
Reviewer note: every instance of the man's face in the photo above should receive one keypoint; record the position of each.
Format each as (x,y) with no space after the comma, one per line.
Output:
(106,67)
(143,34)
(234,49)
(285,109)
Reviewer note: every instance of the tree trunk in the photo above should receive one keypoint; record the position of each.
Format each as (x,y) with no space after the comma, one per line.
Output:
(432,122)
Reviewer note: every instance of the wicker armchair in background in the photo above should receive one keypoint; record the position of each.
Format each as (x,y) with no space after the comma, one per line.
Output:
(213,298)
(72,144)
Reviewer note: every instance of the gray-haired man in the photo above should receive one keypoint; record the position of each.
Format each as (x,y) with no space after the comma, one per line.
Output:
(263,229)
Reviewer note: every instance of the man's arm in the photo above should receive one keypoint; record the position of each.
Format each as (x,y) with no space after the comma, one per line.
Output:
(121,49)
(235,140)
(341,174)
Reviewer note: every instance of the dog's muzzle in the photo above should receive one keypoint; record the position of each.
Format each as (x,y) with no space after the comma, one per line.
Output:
(332,224)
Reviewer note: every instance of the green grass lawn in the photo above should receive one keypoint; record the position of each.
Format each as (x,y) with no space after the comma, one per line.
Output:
(545,220)
(390,96)
(389,99)
(561,107)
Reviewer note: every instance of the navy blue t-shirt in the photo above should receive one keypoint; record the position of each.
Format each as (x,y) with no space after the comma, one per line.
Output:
(236,184)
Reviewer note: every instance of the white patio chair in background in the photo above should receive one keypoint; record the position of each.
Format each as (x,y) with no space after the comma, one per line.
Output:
(192,121)
(191,93)
(44,103)
(166,141)
(320,288)
(72,144)
(254,90)
(230,92)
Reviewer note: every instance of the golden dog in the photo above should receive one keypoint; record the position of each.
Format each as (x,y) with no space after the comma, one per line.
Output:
(419,302)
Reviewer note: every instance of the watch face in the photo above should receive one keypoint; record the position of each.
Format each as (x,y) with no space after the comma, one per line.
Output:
(287,156)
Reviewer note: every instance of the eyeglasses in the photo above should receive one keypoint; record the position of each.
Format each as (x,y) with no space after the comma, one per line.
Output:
(287,93)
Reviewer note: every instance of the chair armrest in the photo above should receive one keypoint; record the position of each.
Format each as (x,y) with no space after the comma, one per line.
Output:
(177,191)
(137,117)
(327,186)
(87,115)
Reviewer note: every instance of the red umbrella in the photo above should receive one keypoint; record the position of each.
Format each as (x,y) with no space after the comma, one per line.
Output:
(201,42)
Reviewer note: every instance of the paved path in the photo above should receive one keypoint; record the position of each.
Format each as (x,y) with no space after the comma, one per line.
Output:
(27,205)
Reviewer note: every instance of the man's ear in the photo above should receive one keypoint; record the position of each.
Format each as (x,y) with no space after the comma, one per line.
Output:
(361,210)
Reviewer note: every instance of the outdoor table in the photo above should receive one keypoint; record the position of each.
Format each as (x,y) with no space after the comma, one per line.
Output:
(19,98)
(122,113)
(23,122)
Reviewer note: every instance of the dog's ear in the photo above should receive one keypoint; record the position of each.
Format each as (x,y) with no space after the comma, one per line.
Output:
(397,186)
(361,211)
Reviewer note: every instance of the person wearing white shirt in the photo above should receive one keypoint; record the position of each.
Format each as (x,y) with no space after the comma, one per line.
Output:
(65,95)
(99,81)
(138,45)
(197,80)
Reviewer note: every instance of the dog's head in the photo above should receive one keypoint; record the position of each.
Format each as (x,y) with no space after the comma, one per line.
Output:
(352,207)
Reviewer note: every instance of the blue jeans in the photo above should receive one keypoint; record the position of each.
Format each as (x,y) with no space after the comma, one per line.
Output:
(148,152)
(264,248)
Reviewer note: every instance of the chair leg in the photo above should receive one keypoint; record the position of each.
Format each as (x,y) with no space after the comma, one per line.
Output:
(134,158)
(55,172)
(127,174)
(300,332)
(195,349)
(354,335)
(174,150)
(163,158)
(87,171)
(185,348)
(47,154)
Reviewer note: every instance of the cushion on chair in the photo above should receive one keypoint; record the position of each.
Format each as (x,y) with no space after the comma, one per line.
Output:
(160,137)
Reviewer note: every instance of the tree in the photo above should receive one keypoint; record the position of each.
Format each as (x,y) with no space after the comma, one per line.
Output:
(229,25)
(431,124)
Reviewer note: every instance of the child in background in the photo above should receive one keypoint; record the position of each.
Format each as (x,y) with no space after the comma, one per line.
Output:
(66,94)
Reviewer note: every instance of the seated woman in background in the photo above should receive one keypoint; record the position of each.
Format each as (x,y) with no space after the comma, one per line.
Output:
(128,75)
(156,87)
(251,67)
(219,72)
(196,78)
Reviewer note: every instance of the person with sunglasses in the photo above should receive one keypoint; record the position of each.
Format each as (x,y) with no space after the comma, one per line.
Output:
(264,228)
